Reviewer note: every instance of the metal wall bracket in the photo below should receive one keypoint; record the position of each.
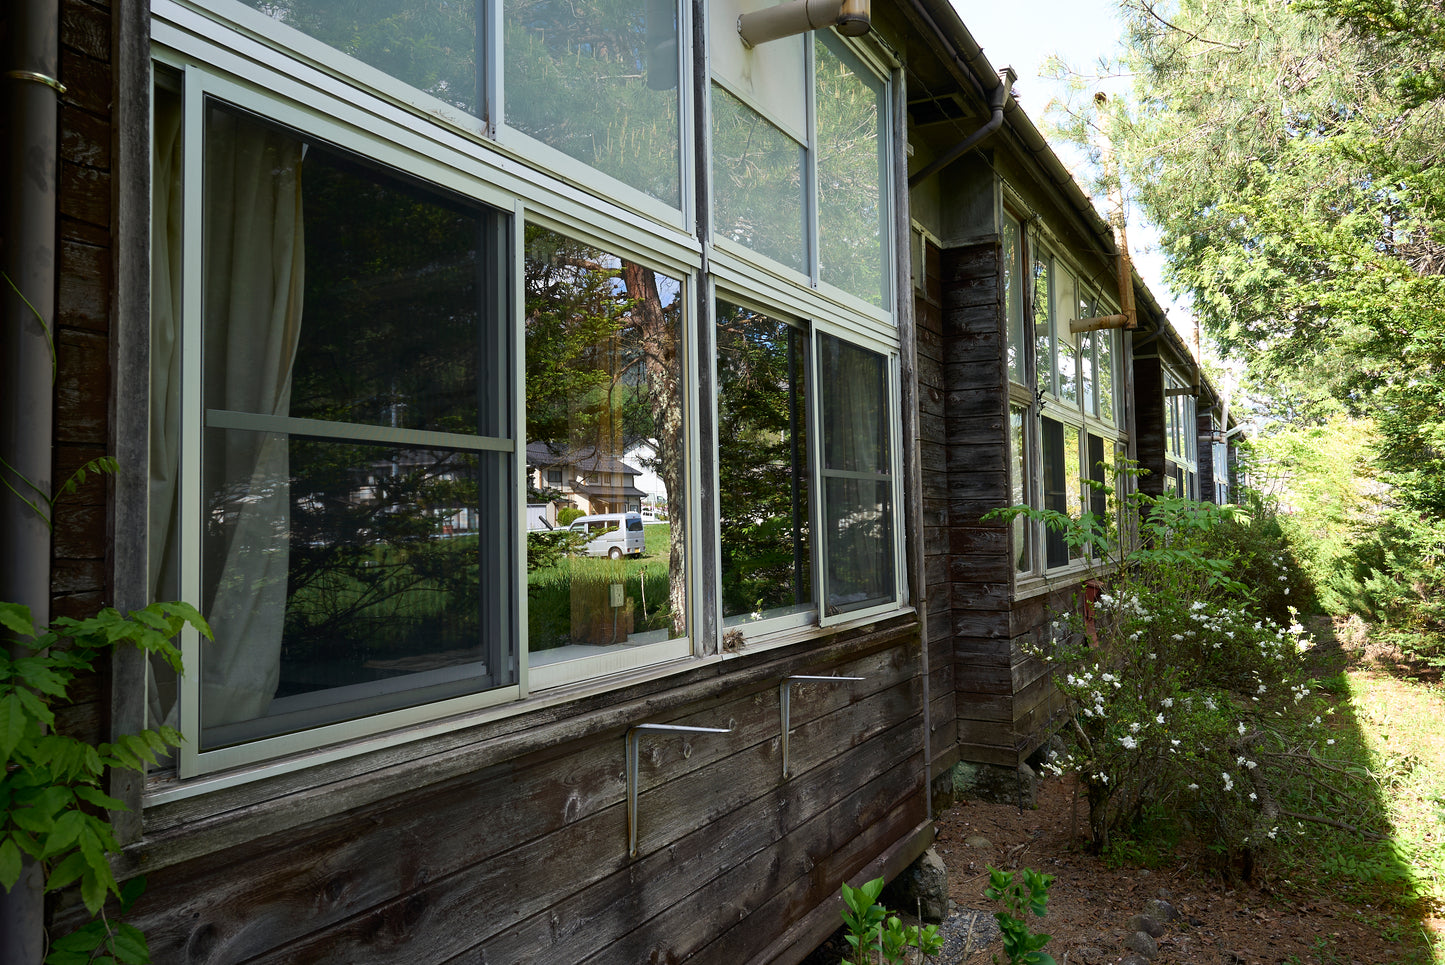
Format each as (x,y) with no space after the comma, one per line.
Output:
(785,704)
(632,740)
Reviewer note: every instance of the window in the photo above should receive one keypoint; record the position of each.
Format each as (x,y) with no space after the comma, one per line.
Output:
(1181,436)
(1062,412)
(603,362)
(599,83)
(779,481)
(337,492)
(764,469)
(811,197)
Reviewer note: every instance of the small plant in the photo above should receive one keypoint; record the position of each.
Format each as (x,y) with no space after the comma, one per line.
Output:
(51,802)
(876,936)
(1021,892)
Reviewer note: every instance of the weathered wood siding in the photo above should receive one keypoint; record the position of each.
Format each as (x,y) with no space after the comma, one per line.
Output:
(1149,423)
(976,429)
(85,285)
(1204,446)
(933,461)
(515,849)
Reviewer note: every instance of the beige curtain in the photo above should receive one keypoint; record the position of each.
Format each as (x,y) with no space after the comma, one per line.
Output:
(252,290)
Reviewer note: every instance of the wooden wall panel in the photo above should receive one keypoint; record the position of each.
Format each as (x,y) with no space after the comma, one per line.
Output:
(1149,423)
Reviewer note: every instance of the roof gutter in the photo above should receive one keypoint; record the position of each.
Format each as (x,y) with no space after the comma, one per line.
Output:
(996,101)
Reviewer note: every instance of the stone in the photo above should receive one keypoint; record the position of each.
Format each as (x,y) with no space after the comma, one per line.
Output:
(1149,926)
(1133,960)
(922,889)
(978,842)
(1088,955)
(1141,944)
(996,783)
(1161,910)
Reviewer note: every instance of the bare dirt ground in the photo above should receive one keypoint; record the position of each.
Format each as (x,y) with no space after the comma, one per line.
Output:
(1091,904)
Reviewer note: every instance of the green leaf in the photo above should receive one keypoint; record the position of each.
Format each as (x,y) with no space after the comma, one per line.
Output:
(13,721)
(94,796)
(64,835)
(15,617)
(71,867)
(130,893)
(130,945)
(11,861)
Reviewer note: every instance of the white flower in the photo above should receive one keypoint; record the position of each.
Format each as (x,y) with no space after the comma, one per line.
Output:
(1167,702)
(1128,742)
(1177,638)
(1228,781)
(1239,760)
(1134,727)
(1241,727)
(1263,688)
(1330,741)
(1153,656)
(1251,764)
(1194,787)
(1173,743)
(1158,718)
(1253,796)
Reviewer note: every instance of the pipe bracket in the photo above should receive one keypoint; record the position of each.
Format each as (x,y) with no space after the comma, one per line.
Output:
(632,741)
(35,77)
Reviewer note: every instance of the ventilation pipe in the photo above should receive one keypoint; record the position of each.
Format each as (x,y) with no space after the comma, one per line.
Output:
(1006,78)
(852,18)
(30,91)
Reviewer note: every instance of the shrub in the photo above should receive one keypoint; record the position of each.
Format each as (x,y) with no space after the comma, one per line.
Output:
(1183,694)
(568,514)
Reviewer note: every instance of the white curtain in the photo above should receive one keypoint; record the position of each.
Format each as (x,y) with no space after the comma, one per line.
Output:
(254,279)
(253,282)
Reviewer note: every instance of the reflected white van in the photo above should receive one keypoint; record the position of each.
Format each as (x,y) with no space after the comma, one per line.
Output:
(611,534)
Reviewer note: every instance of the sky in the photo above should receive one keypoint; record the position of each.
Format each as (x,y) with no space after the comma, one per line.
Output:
(1079,32)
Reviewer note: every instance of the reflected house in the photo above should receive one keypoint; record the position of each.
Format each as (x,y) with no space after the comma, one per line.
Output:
(587,479)
(369,279)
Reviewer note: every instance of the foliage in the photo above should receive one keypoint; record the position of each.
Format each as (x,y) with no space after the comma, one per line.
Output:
(568,514)
(874,935)
(1021,892)
(1184,697)
(1290,153)
(50,789)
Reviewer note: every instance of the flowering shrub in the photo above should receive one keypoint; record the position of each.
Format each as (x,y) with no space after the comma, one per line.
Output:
(1183,698)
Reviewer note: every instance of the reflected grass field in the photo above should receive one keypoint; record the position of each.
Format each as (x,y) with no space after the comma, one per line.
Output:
(558,596)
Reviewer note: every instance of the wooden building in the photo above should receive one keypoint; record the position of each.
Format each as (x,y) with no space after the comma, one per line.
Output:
(293,245)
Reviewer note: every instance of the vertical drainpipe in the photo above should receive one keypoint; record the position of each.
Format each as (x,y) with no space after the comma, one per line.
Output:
(31,108)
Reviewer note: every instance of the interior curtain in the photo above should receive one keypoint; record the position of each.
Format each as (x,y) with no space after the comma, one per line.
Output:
(165,380)
(254,280)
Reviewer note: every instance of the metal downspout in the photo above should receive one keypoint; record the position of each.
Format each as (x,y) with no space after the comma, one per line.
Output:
(25,368)
(31,93)
(1006,79)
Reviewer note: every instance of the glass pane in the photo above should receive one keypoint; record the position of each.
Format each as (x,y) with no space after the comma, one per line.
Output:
(1043,330)
(857,473)
(431,46)
(345,579)
(757,182)
(762,466)
(1013,294)
(387,330)
(1105,344)
(1056,487)
(1087,379)
(361,579)
(604,405)
(1066,302)
(599,82)
(1018,487)
(852,208)
(1073,482)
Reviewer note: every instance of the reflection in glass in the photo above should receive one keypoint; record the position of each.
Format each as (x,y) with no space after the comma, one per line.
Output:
(1066,303)
(1043,328)
(604,404)
(431,46)
(1104,341)
(1018,487)
(1013,295)
(857,476)
(757,182)
(598,81)
(762,466)
(852,208)
(343,574)
(1073,483)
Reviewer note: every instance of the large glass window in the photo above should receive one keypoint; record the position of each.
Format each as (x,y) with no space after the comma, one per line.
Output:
(355,434)
(434,47)
(604,395)
(852,209)
(857,476)
(763,466)
(598,81)
(758,182)
(1012,264)
(1019,478)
